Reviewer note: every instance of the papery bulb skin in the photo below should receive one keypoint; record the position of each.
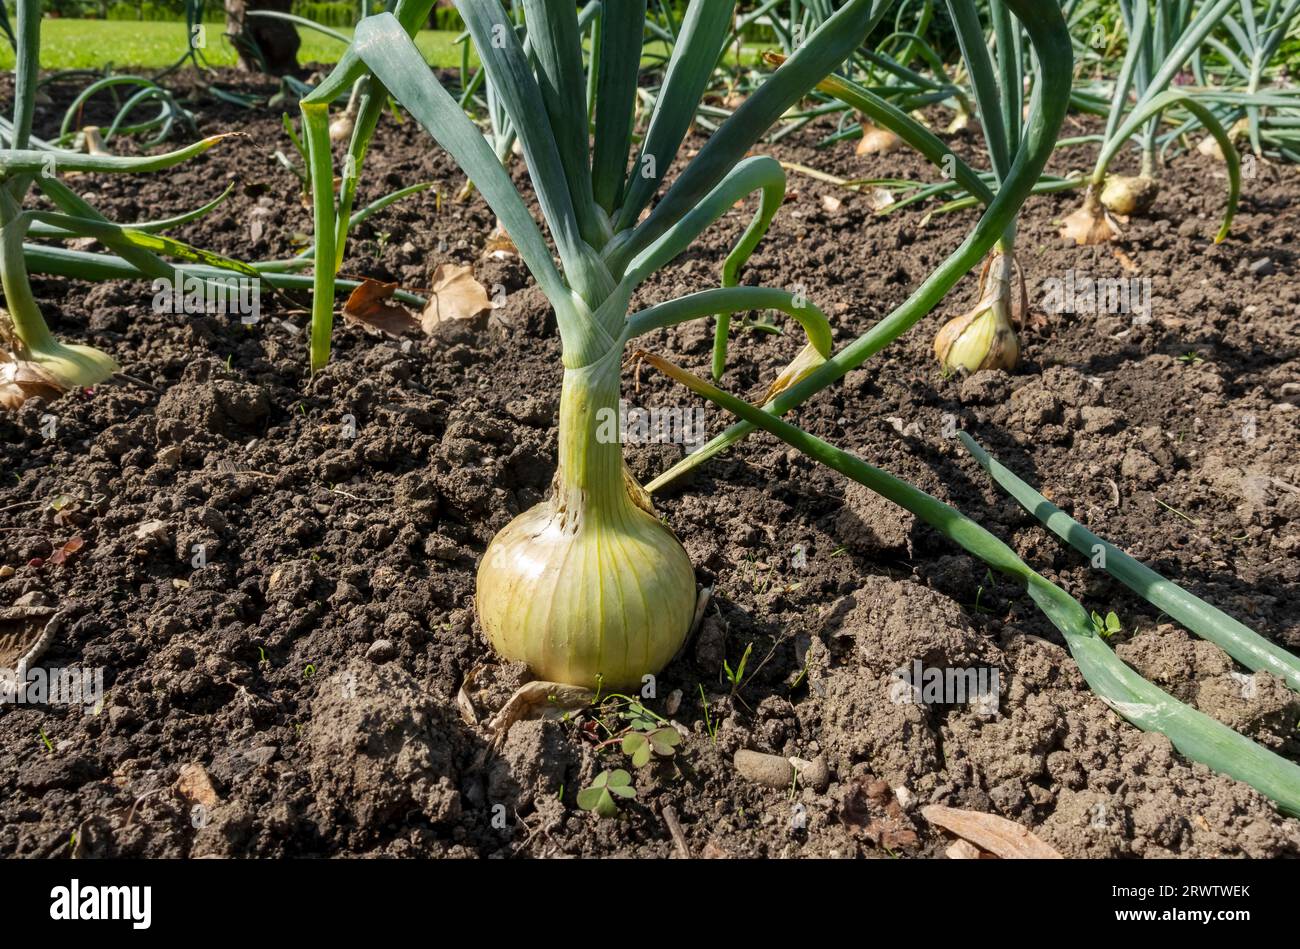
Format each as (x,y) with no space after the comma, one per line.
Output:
(603,604)
(588,588)
(983,337)
(34,363)
(1129,194)
(1091,224)
(877,141)
(1210,148)
(980,339)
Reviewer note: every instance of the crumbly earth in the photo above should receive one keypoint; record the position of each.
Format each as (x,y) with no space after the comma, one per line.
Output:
(310,666)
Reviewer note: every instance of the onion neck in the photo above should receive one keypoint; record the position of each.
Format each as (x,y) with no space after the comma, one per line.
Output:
(1148,169)
(589,483)
(28,325)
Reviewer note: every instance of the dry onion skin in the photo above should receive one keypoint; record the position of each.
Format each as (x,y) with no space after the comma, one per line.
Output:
(33,363)
(877,141)
(983,337)
(1091,224)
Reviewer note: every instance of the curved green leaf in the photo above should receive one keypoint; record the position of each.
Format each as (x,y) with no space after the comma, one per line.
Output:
(1237,640)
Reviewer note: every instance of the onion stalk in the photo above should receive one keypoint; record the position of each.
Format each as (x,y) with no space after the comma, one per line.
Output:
(1210,623)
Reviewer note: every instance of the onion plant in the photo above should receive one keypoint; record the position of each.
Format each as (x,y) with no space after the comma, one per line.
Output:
(32,360)
(590,586)
(1023,167)
(170,113)
(1162,37)
(902,67)
(1245,94)
(983,337)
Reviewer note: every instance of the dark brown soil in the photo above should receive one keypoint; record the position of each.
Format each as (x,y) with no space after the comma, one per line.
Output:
(311,667)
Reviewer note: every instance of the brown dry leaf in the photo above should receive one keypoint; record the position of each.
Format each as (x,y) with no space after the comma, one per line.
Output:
(195,786)
(61,555)
(456,297)
(369,308)
(25,633)
(21,380)
(1125,261)
(536,700)
(963,850)
(997,835)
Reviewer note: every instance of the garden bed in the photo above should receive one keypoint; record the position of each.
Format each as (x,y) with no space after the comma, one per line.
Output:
(311,667)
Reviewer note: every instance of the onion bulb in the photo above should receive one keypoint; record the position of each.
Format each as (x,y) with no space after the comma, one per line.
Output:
(341,128)
(1210,147)
(1129,194)
(1091,224)
(877,141)
(983,337)
(588,587)
(34,363)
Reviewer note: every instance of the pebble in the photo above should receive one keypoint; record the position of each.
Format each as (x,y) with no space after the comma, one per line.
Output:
(962,850)
(381,650)
(772,771)
(153,530)
(815,774)
(1262,267)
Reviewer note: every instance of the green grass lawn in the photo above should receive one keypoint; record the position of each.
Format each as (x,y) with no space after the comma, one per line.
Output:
(94,44)
(147,45)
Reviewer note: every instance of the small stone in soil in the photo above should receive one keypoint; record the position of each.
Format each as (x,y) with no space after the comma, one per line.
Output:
(771,771)
(815,774)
